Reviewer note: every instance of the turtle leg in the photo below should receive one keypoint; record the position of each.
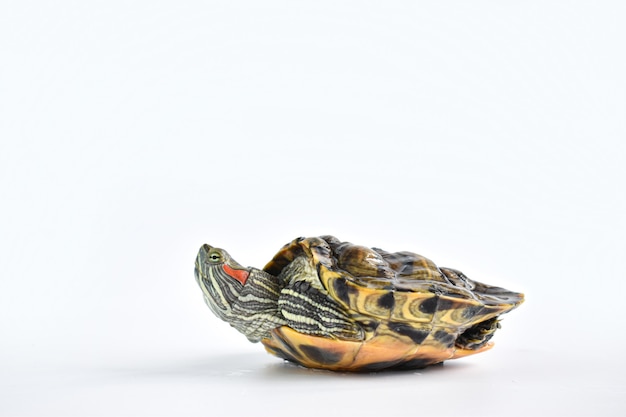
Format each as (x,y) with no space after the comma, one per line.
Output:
(309,310)
(478,335)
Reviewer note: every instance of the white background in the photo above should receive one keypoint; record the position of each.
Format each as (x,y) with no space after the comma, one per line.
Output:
(488,136)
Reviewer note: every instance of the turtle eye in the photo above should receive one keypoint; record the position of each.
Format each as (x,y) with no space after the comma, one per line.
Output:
(215,257)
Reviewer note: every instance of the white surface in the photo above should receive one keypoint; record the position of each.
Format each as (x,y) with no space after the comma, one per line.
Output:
(486,136)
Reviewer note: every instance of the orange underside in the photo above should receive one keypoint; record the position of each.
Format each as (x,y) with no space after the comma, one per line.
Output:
(341,355)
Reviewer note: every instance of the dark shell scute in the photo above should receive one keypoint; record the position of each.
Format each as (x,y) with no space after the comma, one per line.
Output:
(416,335)
(321,355)
(417,363)
(444,338)
(429,305)
(387,301)
(378,366)
(444,304)
(343,290)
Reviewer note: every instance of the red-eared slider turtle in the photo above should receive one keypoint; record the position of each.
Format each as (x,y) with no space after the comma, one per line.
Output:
(333,305)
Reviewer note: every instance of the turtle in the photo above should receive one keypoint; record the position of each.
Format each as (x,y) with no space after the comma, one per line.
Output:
(327,304)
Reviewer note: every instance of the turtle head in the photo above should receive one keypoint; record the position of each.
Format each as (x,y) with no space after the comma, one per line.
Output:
(221,279)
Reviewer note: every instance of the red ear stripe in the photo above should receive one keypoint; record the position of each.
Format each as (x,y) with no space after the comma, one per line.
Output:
(240,275)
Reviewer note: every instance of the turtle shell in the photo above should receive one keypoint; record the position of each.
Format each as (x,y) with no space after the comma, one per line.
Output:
(412,312)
